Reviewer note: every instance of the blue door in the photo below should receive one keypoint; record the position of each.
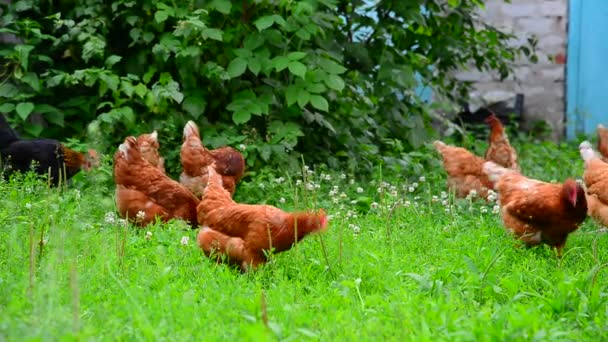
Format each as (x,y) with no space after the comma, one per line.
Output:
(587,73)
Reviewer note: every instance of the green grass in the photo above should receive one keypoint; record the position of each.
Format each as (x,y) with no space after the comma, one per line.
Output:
(422,270)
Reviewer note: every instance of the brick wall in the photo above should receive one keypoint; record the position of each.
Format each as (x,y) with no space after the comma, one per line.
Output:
(542,83)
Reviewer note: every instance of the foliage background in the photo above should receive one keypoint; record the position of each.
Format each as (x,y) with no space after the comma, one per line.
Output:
(333,81)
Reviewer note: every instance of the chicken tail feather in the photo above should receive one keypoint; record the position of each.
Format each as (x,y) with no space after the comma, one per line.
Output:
(586,150)
(129,149)
(191,129)
(495,171)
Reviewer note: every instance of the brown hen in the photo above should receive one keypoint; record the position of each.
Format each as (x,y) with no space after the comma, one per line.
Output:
(602,142)
(596,181)
(499,149)
(195,159)
(464,171)
(244,232)
(143,192)
(535,211)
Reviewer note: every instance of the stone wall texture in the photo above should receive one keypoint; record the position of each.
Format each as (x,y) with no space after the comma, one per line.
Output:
(542,83)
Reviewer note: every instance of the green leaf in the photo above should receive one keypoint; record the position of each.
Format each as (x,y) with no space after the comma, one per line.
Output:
(253,41)
(297,68)
(264,22)
(319,102)
(149,74)
(141,90)
(280,63)
(110,80)
(331,66)
(23,54)
(24,109)
(294,56)
(194,105)
(334,82)
(291,94)
(52,114)
(7,107)
(222,6)
(34,130)
(161,16)
(237,67)
(8,90)
(127,88)
(241,117)
(254,65)
(212,33)
(303,98)
(55,80)
(113,59)
(244,53)
(32,80)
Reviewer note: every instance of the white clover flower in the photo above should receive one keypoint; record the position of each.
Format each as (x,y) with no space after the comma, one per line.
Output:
(374,205)
(110,217)
(385,184)
(279,180)
(444,194)
(353,202)
(394,193)
(342,176)
(379,189)
(472,194)
(332,193)
(411,189)
(359,190)
(484,210)
(407,203)
(242,147)
(148,235)
(392,188)
(326,177)
(28,205)
(445,203)
(140,215)
(343,195)
(351,181)
(317,186)
(434,198)
(261,185)
(415,185)
(122,221)
(335,187)
(495,209)
(184,241)
(356,230)
(298,182)
(281,200)
(422,179)
(416,198)
(335,200)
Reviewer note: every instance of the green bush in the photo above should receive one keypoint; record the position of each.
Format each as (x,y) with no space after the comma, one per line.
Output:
(334,81)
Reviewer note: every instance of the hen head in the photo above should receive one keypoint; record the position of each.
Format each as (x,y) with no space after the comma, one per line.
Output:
(574,194)
(91,160)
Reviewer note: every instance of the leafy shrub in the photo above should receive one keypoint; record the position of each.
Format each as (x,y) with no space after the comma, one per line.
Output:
(333,80)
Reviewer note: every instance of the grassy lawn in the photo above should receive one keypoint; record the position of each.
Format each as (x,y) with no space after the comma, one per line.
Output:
(416,266)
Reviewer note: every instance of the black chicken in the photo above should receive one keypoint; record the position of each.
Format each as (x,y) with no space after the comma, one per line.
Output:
(43,156)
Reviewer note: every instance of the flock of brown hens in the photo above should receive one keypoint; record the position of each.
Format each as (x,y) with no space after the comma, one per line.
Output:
(534,211)
(241,234)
